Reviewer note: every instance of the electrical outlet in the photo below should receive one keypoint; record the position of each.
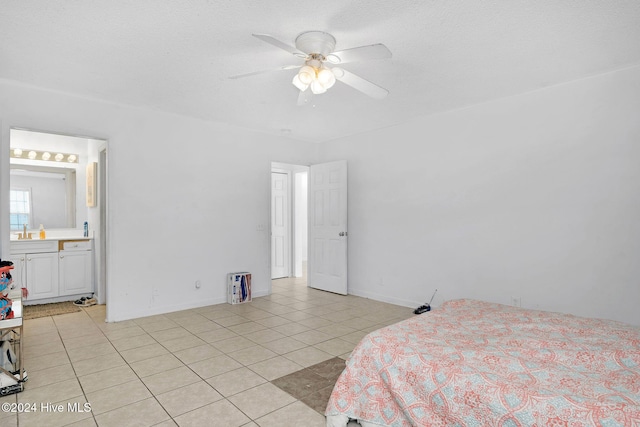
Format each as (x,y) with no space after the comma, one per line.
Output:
(516,302)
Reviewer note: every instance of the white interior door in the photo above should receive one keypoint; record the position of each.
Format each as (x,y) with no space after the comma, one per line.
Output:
(280,239)
(327,263)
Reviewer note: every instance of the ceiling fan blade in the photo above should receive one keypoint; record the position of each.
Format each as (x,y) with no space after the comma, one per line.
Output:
(362,53)
(277,43)
(358,83)
(253,73)
(304,97)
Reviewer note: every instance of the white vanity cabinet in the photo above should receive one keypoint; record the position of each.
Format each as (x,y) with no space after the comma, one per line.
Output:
(42,275)
(36,267)
(52,270)
(75,257)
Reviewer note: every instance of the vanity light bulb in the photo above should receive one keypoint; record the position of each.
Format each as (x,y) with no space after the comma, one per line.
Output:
(59,157)
(17,152)
(46,155)
(32,155)
(71,158)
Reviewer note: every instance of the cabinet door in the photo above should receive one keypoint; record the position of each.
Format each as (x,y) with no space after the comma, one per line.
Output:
(75,272)
(41,277)
(17,274)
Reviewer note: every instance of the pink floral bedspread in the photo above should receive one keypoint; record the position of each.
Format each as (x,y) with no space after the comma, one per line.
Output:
(472,363)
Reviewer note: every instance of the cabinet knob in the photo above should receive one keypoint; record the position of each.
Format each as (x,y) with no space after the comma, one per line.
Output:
(61,256)
(28,259)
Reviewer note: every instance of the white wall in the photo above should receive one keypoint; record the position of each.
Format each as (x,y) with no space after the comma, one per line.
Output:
(186,197)
(535,196)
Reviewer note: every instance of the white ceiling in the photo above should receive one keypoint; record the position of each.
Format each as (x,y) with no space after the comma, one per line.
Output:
(176,55)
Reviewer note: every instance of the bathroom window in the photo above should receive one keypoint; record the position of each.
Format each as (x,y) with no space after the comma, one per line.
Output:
(19,208)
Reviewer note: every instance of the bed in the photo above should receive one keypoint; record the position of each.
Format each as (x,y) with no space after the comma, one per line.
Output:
(473,363)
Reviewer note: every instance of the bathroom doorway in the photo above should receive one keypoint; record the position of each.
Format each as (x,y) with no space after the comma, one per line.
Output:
(85,202)
(288,220)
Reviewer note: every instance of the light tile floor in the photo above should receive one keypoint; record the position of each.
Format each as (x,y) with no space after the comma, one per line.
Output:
(206,366)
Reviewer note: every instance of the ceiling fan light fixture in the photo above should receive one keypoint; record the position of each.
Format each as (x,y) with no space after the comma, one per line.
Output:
(317,48)
(307,74)
(298,83)
(326,78)
(317,87)
(316,42)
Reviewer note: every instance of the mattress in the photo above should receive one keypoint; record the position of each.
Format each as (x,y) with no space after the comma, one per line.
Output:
(474,363)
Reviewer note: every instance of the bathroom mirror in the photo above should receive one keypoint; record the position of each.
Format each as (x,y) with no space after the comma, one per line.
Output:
(49,194)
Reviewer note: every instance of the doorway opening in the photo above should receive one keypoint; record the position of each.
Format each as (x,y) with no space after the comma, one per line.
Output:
(83,202)
(289,221)
(326,224)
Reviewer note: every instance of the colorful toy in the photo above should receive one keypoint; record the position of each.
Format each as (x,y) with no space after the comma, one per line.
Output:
(5,287)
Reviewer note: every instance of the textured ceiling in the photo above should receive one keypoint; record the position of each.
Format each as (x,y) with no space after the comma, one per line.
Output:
(176,55)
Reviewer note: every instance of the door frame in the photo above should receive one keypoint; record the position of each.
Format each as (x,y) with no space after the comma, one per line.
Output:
(100,225)
(103,247)
(289,240)
(291,170)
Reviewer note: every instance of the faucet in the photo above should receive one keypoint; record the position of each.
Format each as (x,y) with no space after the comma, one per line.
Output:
(24,234)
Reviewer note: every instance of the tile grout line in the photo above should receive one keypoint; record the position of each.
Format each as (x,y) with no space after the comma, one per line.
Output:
(314,316)
(53,320)
(243,365)
(137,376)
(187,366)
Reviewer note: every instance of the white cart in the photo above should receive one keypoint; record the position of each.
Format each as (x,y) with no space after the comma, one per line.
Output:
(11,331)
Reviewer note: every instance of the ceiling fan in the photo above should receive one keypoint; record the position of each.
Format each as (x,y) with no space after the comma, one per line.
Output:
(314,77)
